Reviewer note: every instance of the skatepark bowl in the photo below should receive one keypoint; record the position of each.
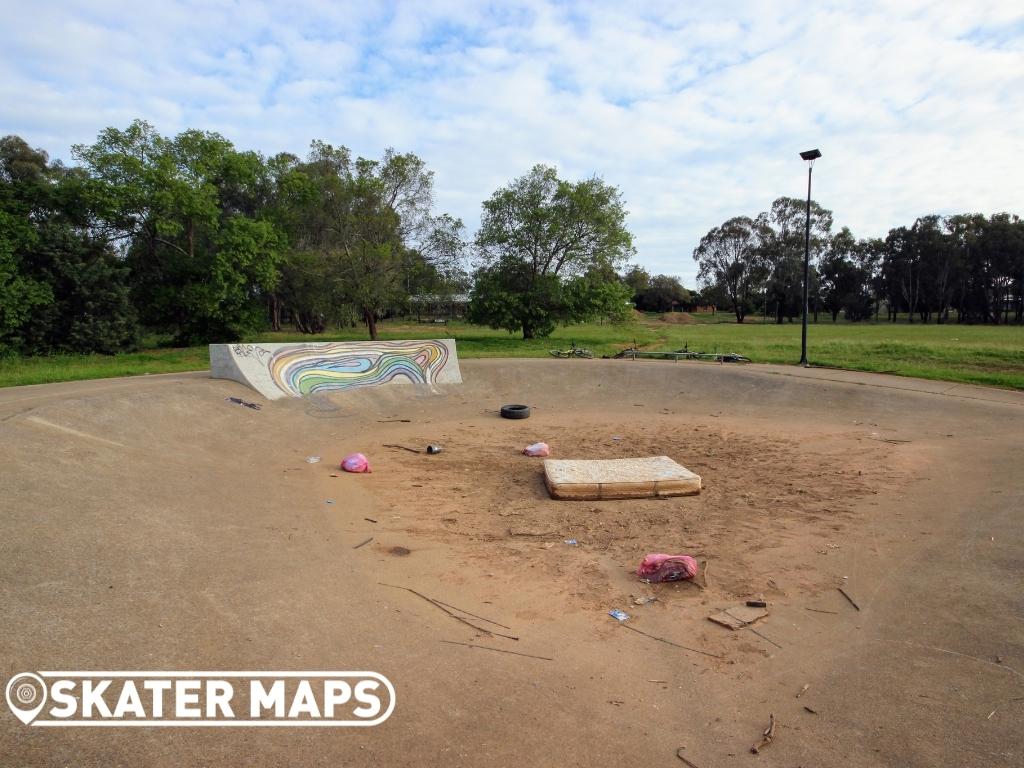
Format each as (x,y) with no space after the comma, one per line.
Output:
(155,524)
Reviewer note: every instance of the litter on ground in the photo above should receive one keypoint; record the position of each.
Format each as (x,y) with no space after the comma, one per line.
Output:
(657,568)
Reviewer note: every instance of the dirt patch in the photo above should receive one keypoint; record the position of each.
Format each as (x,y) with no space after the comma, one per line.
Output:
(772,505)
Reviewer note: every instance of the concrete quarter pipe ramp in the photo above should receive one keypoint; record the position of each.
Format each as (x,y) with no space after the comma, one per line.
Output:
(298,370)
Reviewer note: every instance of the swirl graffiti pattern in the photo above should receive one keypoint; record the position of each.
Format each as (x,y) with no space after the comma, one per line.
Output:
(302,371)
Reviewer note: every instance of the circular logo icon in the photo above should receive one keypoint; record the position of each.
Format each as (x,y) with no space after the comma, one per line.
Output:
(26,695)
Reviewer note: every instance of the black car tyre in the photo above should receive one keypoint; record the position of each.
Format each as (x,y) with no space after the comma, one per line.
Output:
(515,411)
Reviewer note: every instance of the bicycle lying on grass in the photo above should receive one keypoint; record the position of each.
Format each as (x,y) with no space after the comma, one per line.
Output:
(572,351)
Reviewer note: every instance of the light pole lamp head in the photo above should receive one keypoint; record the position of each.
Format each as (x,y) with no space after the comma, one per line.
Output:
(810,155)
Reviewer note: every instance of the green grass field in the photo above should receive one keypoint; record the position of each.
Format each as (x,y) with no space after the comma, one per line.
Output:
(973,354)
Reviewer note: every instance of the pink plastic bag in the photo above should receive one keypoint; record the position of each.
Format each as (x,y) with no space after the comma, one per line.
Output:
(657,568)
(537,449)
(355,462)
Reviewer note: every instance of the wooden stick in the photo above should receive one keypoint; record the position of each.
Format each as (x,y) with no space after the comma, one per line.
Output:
(819,610)
(404,448)
(848,598)
(763,637)
(363,543)
(766,737)
(463,610)
(499,650)
(685,761)
(436,604)
(668,642)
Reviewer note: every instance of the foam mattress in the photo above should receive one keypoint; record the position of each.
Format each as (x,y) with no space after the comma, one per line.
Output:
(655,476)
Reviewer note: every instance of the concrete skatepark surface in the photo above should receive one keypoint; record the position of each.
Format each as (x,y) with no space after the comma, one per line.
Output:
(151,524)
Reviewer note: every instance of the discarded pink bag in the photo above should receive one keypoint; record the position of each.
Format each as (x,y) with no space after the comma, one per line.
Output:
(537,449)
(356,462)
(658,568)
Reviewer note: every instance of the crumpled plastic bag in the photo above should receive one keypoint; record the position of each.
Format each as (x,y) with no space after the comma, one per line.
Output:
(356,462)
(537,449)
(658,568)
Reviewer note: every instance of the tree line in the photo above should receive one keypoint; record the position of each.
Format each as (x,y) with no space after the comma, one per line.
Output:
(966,267)
(197,241)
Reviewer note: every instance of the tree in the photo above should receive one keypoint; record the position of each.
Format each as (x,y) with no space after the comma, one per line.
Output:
(22,193)
(188,214)
(662,294)
(369,223)
(61,288)
(539,234)
(782,241)
(729,259)
(638,280)
(843,282)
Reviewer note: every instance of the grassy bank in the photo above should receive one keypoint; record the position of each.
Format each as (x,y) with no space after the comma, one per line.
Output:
(971,354)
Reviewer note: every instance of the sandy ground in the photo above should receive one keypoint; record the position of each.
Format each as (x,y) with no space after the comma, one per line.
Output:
(150,524)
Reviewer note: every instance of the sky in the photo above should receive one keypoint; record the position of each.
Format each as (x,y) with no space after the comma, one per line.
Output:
(696,111)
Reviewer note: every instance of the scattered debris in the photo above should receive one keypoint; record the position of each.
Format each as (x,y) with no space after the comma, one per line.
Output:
(475,616)
(757,603)
(891,441)
(537,449)
(669,642)
(655,568)
(764,637)
(445,607)
(434,449)
(644,600)
(686,762)
(701,579)
(766,736)
(240,401)
(738,617)
(356,462)
(400,551)
(329,501)
(312,459)
(616,438)
(363,543)
(618,615)
(843,591)
(572,542)
(499,650)
(808,709)
(402,447)
(803,690)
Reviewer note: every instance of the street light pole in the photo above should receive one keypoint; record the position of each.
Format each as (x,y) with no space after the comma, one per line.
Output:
(810,156)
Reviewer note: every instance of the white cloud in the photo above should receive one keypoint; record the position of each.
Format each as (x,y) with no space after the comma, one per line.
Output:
(696,113)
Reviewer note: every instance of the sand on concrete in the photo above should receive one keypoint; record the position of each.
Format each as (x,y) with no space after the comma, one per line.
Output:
(152,524)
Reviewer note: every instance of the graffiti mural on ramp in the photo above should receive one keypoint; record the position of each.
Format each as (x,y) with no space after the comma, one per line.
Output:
(299,370)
